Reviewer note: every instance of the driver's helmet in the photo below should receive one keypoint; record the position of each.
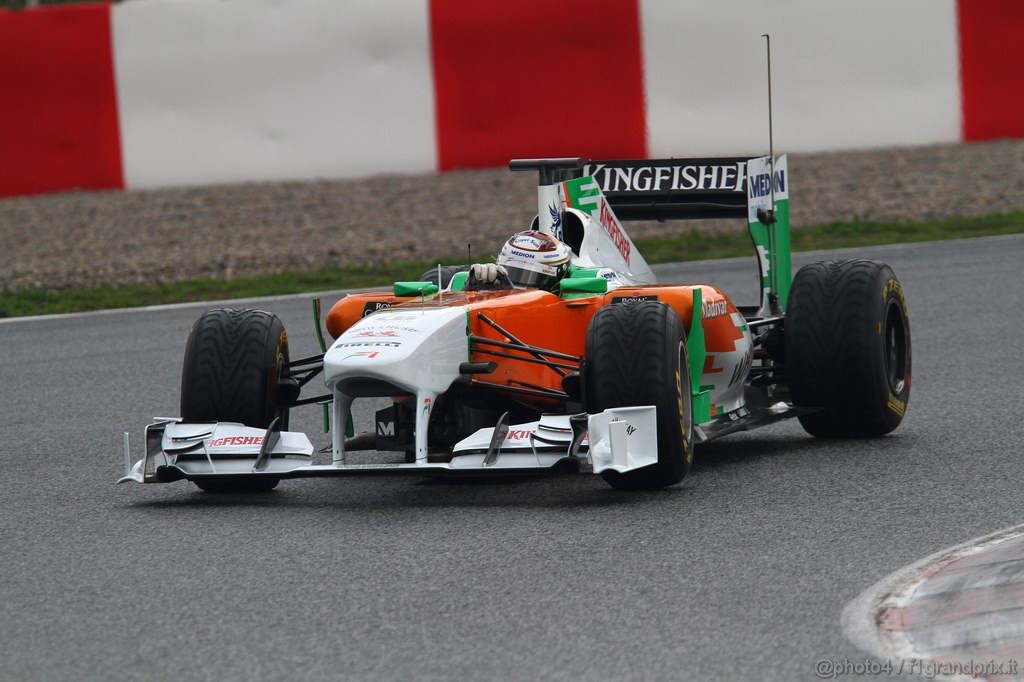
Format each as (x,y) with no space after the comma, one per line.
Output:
(535,259)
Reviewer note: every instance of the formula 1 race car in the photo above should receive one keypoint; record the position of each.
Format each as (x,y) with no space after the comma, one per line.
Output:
(611,373)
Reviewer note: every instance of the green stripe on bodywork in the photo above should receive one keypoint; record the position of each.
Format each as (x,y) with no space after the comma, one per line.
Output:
(695,347)
(323,349)
(582,193)
(415,288)
(458,282)
(576,271)
(782,265)
(696,350)
(573,287)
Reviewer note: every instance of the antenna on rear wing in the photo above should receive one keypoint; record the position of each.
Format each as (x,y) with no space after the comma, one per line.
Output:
(771,141)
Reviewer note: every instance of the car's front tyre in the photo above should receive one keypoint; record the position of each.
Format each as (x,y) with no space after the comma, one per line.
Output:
(636,355)
(231,371)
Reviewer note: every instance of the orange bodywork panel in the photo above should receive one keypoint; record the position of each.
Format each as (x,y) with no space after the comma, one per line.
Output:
(355,307)
(542,319)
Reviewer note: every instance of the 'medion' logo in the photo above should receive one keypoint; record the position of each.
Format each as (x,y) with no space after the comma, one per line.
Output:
(761,187)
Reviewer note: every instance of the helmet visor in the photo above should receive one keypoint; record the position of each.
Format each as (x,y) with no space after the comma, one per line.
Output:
(532,279)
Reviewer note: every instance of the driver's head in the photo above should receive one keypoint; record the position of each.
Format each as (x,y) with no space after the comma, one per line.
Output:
(535,259)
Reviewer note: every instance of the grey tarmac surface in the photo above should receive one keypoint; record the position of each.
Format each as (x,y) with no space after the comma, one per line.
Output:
(741,572)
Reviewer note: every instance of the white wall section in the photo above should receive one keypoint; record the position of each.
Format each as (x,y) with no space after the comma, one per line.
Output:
(214,92)
(844,74)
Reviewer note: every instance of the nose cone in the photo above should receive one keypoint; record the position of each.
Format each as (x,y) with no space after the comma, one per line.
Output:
(413,349)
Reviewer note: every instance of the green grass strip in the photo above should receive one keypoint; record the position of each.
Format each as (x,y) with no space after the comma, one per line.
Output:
(685,247)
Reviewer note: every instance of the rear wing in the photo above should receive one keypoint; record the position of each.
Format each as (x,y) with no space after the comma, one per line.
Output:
(686,189)
(673,189)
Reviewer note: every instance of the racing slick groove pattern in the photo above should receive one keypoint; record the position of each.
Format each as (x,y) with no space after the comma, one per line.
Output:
(636,355)
(848,348)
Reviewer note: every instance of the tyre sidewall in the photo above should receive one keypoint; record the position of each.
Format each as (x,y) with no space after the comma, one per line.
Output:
(276,358)
(895,398)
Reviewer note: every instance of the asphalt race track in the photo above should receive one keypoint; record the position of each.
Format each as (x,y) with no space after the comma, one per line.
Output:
(741,572)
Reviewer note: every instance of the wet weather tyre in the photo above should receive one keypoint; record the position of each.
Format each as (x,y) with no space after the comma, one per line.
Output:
(636,355)
(233,363)
(848,349)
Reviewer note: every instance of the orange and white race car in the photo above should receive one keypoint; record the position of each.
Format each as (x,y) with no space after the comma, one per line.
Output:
(610,373)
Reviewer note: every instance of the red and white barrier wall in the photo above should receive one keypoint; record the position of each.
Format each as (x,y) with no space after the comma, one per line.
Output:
(150,93)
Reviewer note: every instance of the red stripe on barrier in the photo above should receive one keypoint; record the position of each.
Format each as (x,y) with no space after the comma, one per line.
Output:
(991,71)
(58,101)
(535,78)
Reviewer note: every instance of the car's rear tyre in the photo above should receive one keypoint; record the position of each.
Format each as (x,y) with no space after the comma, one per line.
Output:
(636,355)
(848,347)
(447,272)
(232,367)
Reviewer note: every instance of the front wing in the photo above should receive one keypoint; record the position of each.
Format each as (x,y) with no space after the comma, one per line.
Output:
(618,439)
